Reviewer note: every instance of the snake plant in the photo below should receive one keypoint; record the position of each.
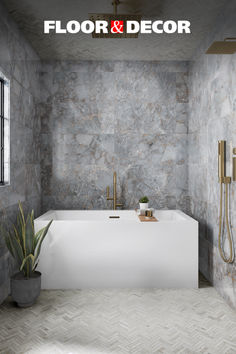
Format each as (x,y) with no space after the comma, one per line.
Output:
(23,243)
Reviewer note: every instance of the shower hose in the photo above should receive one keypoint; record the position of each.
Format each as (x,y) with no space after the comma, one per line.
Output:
(229,236)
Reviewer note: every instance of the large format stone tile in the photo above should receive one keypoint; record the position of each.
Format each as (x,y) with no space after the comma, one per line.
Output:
(21,65)
(212,118)
(101,117)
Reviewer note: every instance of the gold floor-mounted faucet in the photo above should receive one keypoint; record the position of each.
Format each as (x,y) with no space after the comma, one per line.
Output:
(114,199)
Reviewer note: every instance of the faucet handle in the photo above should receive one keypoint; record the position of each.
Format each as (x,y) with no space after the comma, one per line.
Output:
(119,204)
(108,194)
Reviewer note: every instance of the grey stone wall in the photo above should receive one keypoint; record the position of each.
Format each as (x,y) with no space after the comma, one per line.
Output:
(157,126)
(21,65)
(212,117)
(100,117)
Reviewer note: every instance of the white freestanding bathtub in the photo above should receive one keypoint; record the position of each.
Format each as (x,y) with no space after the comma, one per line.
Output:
(87,249)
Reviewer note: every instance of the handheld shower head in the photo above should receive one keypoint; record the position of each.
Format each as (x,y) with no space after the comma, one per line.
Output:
(221,160)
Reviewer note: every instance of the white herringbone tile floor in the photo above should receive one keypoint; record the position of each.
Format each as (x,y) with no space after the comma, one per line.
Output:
(120,321)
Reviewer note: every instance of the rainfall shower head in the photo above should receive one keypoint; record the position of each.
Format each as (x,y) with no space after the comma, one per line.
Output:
(114,17)
(228,46)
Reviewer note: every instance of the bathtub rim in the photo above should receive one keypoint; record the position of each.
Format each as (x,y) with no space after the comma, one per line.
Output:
(48,216)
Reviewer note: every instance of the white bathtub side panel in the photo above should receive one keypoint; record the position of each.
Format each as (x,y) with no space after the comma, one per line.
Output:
(78,255)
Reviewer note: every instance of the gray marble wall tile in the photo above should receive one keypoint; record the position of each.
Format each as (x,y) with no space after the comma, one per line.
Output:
(100,117)
(182,87)
(21,65)
(212,117)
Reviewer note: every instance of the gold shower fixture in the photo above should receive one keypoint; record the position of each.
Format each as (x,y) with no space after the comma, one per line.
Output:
(234,165)
(221,160)
(111,18)
(224,181)
(114,198)
(228,46)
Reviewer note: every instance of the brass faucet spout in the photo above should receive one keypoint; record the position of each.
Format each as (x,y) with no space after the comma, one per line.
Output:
(114,199)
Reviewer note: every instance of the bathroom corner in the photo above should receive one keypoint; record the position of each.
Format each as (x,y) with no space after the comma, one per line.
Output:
(211,118)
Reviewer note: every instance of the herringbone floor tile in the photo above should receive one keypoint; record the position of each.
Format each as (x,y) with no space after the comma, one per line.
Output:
(138,321)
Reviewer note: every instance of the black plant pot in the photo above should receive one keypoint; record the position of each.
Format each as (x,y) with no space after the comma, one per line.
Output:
(25,291)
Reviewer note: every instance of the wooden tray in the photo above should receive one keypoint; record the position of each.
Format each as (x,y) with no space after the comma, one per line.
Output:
(147,219)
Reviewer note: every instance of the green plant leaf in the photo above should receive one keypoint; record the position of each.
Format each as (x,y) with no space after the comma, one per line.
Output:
(37,237)
(22,228)
(21,213)
(17,234)
(144,199)
(44,233)
(19,229)
(26,259)
(35,266)
(32,220)
(16,248)
(23,243)
(29,236)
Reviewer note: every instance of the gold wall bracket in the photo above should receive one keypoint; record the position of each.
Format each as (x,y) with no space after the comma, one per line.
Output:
(227,180)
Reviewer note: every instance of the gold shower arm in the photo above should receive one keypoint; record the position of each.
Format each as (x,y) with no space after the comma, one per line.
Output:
(115,3)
